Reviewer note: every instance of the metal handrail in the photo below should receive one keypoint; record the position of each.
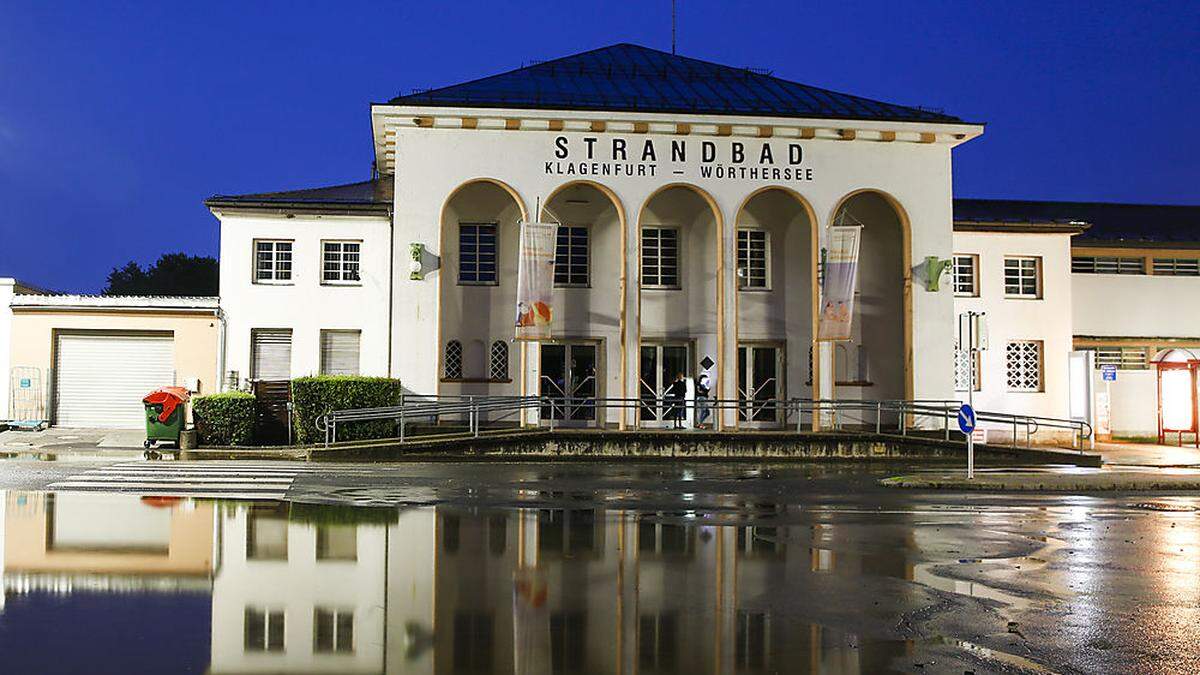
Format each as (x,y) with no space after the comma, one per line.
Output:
(497,408)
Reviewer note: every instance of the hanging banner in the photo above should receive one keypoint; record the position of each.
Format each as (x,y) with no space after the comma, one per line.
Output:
(535,280)
(837,288)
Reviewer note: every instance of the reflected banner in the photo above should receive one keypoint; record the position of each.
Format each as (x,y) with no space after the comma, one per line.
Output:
(535,280)
(837,287)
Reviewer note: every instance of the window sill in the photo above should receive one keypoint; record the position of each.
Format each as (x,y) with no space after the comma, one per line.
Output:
(661,288)
(966,295)
(1022,297)
(343,284)
(754,289)
(274,283)
(570,286)
(474,380)
(479,283)
(1026,391)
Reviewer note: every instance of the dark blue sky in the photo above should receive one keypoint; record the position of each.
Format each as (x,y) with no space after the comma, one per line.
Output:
(117,120)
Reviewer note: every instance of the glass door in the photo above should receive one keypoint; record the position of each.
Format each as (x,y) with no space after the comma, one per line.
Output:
(659,366)
(568,382)
(760,384)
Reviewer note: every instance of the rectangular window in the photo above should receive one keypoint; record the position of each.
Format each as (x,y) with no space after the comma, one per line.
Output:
(337,542)
(339,352)
(658,639)
(571,256)
(1023,277)
(477,255)
(660,257)
(1023,360)
(962,375)
(753,254)
(1177,267)
(966,275)
(333,631)
(262,630)
(473,643)
(568,642)
(752,641)
(340,262)
(272,261)
(266,535)
(1125,358)
(271,354)
(1107,265)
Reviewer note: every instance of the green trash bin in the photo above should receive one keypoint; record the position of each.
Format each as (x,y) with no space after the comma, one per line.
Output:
(164,415)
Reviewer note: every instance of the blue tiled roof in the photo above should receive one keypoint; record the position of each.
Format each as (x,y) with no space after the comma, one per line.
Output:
(1109,223)
(632,78)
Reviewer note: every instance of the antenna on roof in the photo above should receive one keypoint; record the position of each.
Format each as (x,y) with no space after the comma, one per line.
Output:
(672,26)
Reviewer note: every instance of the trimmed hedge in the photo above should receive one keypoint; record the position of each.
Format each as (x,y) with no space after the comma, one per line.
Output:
(224,419)
(315,396)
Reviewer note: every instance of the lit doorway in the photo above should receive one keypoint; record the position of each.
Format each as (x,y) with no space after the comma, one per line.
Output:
(568,382)
(760,370)
(658,366)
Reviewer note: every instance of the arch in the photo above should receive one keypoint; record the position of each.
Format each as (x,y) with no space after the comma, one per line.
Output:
(493,311)
(797,356)
(905,224)
(718,219)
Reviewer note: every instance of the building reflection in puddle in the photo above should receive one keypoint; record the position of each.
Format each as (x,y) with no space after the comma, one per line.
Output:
(456,590)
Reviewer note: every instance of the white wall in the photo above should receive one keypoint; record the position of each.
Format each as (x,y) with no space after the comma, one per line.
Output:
(432,162)
(307,306)
(1047,319)
(1129,305)
(1133,402)
(6,294)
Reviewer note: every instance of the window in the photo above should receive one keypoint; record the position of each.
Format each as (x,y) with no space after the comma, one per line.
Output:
(477,253)
(498,364)
(568,642)
(567,532)
(1023,359)
(966,275)
(665,539)
(337,542)
(750,650)
(660,257)
(266,536)
(272,261)
(340,261)
(271,354)
(757,540)
(339,352)
(1107,265)
(454,360)
(473,643)
(451,525)
(753,252)
(571,256)
(333,630)
(497,535)
(962,375)
(657,642)
(263,630)
(1022,277)
(1177,267)
(1125,358)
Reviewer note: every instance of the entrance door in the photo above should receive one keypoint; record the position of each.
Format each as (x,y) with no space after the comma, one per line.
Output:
(568,382)
(759,383)
(659,366)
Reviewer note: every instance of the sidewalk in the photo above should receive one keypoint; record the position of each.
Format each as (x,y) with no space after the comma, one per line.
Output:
(54,441)
(1148,454)
(1148,479)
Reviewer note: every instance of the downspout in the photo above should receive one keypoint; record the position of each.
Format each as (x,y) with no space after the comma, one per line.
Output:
(220,349)
(391,281)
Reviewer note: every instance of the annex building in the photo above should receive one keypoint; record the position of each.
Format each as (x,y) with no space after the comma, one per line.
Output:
(694,203)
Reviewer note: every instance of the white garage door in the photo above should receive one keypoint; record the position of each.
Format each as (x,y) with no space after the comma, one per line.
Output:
(100,379)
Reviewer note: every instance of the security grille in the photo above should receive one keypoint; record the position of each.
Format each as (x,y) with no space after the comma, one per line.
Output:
(571,256)
(963,364)
(1021,277)
(498,364)
(272,261)
(660,257)
(340,261)
(965,275)
(1024,365)
(454,360)
(752,258)
(477,253)
(1177,267)
(1107,265)
(1125,358)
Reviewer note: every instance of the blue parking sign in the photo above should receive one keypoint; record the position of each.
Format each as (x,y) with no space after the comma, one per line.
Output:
(966,419)
(1108,373)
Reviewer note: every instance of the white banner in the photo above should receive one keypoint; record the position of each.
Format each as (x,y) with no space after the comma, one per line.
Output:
(535,280)
(837,289)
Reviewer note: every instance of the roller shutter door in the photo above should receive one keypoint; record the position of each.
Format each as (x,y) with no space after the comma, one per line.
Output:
(339,352)
(100,378)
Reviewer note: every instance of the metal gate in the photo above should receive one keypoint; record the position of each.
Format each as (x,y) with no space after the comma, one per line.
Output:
(26,396)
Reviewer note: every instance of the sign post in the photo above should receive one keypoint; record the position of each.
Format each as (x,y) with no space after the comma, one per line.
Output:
(972,338)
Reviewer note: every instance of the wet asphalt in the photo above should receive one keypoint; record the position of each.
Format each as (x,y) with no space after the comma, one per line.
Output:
(935,581)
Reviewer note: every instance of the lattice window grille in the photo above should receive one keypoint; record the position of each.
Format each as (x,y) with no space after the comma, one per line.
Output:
(962,363)
(454,360)
(1024,365)
(498,363)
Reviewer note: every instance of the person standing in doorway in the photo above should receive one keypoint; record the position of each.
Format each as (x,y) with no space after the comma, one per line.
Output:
(702,406)
(675,396)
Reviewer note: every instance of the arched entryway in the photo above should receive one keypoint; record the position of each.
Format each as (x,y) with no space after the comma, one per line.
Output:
(876,363)
(583,363)
(775,240)
(679,253)
(478,280)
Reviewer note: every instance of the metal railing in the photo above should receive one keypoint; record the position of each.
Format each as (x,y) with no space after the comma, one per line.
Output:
(904,417)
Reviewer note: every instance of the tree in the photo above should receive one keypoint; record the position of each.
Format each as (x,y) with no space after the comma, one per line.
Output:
(172,274)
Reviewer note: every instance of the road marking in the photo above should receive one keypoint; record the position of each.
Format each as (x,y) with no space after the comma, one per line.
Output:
(230,480)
